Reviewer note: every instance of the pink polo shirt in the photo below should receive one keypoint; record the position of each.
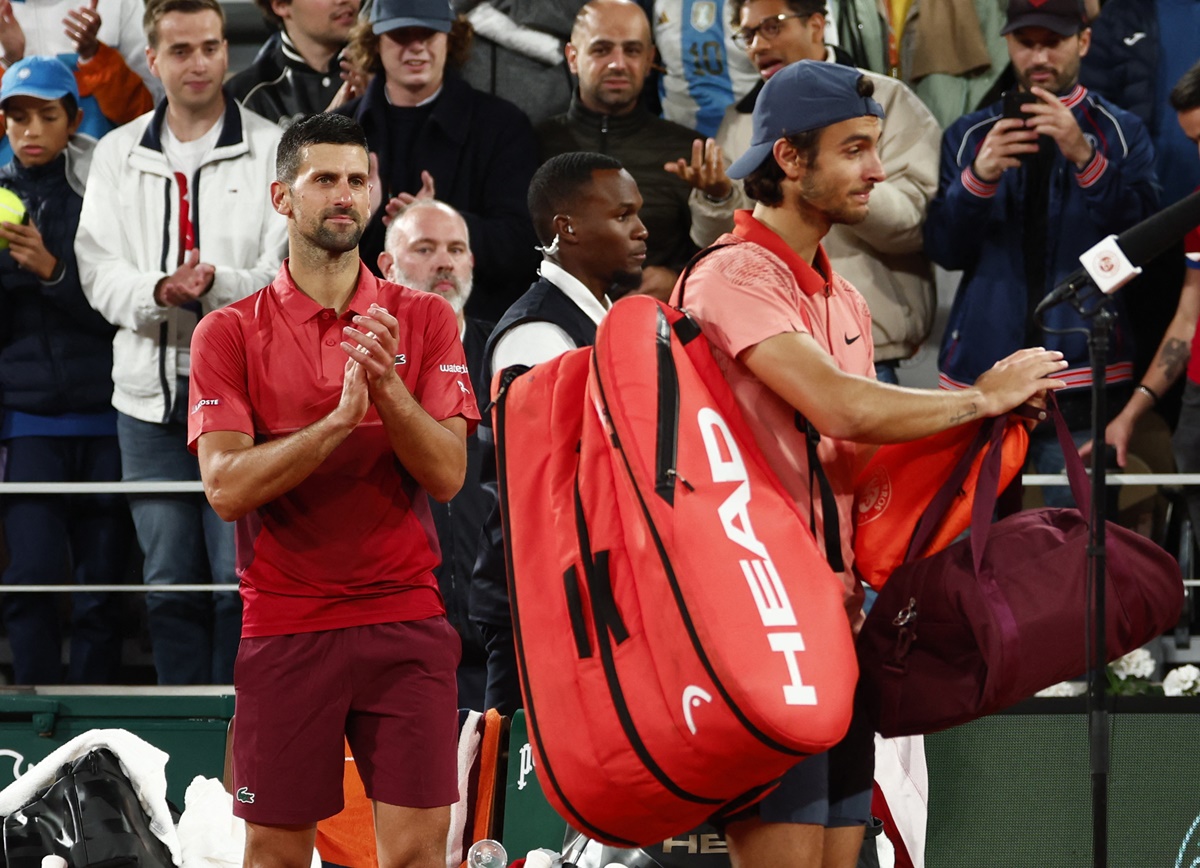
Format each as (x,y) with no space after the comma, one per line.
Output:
(758,288)
(354,543)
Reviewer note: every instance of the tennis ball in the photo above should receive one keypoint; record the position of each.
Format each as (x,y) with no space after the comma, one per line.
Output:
(12,210)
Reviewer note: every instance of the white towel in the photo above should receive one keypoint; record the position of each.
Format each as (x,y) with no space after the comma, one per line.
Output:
(141,761)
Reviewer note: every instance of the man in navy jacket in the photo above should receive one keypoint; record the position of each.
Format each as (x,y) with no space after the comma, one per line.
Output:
(1020,198)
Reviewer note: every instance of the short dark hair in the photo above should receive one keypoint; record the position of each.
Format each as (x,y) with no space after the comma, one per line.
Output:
(156,9)
(69,106)
(323,129)
(1185,95)
(558,182)
(799,7)
(268,13)
(764,184)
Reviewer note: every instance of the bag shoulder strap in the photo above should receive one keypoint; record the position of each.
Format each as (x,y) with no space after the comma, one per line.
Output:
(831,524)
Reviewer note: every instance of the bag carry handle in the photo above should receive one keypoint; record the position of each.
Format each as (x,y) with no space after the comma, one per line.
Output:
(931,519)
(987,490)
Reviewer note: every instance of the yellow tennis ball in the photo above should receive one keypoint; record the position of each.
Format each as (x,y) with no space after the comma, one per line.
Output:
(12,210)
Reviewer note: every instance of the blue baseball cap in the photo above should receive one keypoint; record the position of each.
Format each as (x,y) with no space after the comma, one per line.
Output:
(388,15)
(41,77)
(806,95)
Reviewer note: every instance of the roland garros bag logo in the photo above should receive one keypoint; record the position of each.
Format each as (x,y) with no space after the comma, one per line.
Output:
(877,493)
(770,597)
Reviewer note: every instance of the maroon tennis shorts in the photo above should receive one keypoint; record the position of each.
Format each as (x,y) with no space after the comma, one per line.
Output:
(388,688)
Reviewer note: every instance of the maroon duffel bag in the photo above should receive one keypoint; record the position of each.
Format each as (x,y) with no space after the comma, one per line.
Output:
(997,617)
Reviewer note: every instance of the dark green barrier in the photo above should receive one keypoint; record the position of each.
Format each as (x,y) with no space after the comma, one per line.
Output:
(189,724)
(1014,789)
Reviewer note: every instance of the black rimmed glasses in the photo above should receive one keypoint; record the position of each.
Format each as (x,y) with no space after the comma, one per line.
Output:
(769,27)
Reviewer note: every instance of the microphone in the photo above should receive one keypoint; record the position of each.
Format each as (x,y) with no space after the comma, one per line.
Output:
(1119,258)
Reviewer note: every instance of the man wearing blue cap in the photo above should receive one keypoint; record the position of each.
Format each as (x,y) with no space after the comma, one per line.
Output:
(55,393)
(794,340)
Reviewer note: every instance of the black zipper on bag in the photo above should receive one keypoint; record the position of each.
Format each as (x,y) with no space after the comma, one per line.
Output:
(667,443)
(533,729)
(608,627)
(575,612)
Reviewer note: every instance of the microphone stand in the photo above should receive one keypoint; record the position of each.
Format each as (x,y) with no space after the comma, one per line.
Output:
(1101,319)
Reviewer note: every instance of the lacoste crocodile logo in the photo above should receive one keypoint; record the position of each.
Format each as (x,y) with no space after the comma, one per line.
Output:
(245,796)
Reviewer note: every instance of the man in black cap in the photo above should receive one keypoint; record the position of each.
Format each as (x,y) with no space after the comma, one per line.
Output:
(1027,185)
(794,340)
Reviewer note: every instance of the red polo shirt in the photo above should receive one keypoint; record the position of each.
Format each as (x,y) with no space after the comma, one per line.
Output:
(354,543)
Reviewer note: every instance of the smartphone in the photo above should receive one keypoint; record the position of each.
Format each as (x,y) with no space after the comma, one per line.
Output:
(1012,101)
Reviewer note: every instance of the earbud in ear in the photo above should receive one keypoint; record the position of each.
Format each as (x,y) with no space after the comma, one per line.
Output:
(570,230)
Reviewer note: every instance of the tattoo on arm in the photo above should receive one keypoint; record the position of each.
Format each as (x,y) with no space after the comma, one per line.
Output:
(970,412)
(1174,357)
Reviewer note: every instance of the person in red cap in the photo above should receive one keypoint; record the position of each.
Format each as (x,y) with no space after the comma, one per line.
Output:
(794,340)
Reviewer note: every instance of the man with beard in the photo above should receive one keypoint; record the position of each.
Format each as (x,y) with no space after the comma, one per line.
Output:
(611,55)
(1022,193)
(794,340)
(585,210)
(428,247)
(326,406)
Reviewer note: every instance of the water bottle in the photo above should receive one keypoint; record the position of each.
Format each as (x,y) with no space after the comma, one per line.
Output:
(487,854)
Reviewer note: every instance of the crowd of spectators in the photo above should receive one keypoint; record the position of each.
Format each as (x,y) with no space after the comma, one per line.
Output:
(144,161)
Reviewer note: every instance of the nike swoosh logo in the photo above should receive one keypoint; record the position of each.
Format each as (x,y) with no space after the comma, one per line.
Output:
(850,340)
(1134,39)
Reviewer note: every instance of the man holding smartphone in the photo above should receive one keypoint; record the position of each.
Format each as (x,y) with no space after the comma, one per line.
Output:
(1026,185)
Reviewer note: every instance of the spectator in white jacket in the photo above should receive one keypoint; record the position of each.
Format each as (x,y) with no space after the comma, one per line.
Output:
(177,221)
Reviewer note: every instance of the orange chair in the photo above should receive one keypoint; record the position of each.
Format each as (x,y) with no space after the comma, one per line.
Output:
(349,837)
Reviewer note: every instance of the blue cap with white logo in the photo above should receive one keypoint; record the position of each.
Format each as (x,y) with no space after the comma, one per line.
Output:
(41,77)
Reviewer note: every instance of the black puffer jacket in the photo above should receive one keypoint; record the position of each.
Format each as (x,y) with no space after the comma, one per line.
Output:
(1122,63)
(55,350)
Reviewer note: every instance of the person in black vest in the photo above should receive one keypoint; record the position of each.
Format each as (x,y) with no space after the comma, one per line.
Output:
(585,210)
(428,247)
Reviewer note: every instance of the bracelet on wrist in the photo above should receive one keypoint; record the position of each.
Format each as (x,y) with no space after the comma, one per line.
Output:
(1148,392)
